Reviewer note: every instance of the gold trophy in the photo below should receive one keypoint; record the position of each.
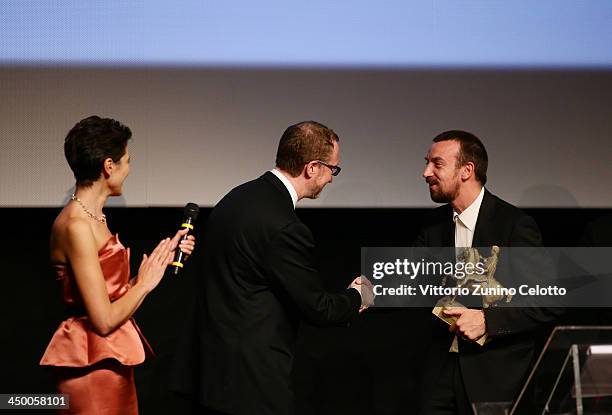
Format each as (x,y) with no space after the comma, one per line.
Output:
(485,279)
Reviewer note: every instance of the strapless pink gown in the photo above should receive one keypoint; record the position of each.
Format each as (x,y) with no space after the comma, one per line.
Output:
(95,371)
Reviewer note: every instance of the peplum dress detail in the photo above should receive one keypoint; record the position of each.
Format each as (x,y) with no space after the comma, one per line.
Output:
(74,343)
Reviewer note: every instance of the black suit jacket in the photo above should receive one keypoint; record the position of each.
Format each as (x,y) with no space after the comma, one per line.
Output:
(497,370)
(259,281)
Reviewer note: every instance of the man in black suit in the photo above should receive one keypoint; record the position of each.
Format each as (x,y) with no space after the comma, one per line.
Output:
(260,280)
(461,372)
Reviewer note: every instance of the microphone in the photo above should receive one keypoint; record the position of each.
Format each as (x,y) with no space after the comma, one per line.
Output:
(190,214)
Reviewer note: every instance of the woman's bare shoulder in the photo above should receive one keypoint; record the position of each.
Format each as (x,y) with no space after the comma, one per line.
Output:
(70,224)
(68,228)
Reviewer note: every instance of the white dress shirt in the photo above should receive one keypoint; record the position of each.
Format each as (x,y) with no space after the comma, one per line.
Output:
(465,224)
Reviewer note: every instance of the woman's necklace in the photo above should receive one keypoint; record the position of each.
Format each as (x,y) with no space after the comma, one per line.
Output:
(101,219)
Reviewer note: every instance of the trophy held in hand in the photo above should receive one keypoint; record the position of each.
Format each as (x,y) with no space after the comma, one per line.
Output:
(476,282)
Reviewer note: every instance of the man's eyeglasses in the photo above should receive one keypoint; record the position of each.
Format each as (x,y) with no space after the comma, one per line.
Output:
(335,170)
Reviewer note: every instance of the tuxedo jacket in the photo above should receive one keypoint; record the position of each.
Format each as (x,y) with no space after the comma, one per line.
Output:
(259,281)
(497,370)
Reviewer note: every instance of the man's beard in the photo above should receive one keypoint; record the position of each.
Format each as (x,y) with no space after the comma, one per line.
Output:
(315,193)
(441,196)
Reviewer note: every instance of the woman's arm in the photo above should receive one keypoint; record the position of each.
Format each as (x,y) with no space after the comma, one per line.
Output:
(82,252)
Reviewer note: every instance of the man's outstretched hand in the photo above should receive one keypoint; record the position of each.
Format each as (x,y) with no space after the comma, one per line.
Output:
(366,290)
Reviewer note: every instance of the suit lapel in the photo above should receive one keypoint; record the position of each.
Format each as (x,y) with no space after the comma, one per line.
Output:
(445,229)
(485,222)
(449,230)
(275,181)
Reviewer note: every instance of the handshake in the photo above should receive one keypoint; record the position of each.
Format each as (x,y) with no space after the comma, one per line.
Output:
(364,286)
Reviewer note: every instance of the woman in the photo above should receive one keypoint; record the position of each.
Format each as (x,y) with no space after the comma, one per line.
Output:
(93,351)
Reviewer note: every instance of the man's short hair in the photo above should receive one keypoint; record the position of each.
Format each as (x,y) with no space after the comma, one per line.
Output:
(302,143)
(90,142)
(471,150)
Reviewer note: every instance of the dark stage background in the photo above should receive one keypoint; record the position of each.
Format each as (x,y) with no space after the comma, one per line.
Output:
(371,368)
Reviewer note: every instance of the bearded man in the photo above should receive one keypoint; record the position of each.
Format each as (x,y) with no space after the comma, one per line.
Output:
(461,372)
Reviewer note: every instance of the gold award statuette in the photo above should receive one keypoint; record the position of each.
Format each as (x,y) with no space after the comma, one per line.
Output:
(485,279)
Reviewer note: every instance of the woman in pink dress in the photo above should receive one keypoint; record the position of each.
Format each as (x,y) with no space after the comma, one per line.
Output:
(93,352)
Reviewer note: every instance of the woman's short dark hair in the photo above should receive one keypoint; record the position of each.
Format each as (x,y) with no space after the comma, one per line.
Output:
(90,142)
(471,150)
(302,143)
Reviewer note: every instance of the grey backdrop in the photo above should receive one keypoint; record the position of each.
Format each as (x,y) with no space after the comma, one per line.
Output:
(199,132)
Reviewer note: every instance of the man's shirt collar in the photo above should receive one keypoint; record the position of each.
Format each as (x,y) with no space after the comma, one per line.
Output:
(470,215)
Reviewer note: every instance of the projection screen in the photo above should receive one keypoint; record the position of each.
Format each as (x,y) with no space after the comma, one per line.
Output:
(208,88)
